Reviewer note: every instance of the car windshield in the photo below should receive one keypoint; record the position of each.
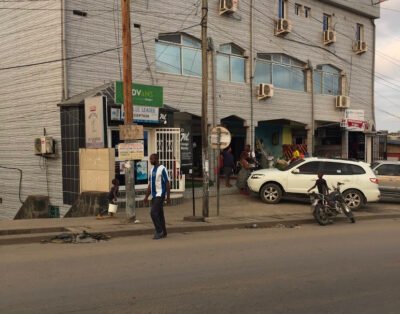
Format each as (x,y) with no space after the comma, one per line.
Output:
(293,164)
(374,165)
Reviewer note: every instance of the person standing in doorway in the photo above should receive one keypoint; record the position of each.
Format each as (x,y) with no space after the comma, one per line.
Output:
(159,188)
(229,164)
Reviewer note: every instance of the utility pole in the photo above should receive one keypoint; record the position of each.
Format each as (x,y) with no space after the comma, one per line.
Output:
(128,108)
(204,107)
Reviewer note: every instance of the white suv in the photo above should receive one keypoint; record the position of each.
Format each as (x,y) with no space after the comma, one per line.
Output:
(360,183)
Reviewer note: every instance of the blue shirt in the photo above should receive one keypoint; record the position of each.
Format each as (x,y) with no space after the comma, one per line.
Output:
(158,181)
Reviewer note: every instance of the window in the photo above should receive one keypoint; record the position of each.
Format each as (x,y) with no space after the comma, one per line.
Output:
(178,54)
(327,80)
(336,168)
(297,9)
(282,9)
(280,70)
(231,65)
(357,169)
(310,167)
(359,32)
(388,170)
(327,22)
(307,12)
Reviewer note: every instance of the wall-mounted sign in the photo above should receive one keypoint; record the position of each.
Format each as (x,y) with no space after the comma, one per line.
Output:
(142,95)
(145,115)
(354,120)
(94,121)
(131,151)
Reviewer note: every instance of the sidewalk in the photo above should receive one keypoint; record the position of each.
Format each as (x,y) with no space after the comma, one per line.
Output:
(236,211)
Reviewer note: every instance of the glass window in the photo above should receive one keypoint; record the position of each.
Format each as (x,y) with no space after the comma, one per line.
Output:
(223,67)
(387,170)
(230,67)
(191,61)
(326,22)
(262,73)
(327,80)
(168,58)
(334,168)
(307,12)
(174,56)
(282,72)
(282,14)
(310,167)
(297,9)
(237,70)
(357,170)
(359,32)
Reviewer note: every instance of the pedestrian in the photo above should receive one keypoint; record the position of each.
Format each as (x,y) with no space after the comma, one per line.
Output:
(159,188)
(229,165)
(112,198)
(250,155)
(321,184)
(243,174)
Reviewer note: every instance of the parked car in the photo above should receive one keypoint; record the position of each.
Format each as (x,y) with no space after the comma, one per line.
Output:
(360,183)
(388,174)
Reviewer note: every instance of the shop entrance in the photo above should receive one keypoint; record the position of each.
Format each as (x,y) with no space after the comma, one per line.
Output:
(357,145)
(235,125)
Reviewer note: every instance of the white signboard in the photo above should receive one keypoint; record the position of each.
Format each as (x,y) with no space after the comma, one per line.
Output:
(354,114)
(131,151)
(142,114)
(94,122)
(224,138)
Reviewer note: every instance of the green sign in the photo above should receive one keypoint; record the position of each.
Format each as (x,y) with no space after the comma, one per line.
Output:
(142,95)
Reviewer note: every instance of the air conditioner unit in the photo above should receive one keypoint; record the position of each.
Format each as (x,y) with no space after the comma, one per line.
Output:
(283,26)
(44,145)
(228,6)
(342,102)
(265,91)
(360,47)
(329,37)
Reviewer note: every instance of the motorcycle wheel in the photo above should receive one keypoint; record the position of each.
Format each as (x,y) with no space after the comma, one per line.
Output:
(348,213)
(320,216)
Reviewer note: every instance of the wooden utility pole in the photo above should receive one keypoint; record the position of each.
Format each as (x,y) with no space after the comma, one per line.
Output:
(204,107)
(128,107)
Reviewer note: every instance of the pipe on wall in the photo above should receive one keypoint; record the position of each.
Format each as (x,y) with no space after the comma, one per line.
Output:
(65,93)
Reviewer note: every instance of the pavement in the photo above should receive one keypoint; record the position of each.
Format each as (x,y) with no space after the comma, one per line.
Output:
(236,211)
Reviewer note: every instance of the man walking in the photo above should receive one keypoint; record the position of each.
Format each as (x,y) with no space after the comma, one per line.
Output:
(158,187)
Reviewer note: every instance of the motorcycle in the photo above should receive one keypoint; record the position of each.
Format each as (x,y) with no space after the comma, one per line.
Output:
(327,207)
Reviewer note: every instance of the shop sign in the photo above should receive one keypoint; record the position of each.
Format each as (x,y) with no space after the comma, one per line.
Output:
(131,132)
(354,120)
(142,95)
(354,114)
(141,114)
(94,122)
(131,151)
(186,147)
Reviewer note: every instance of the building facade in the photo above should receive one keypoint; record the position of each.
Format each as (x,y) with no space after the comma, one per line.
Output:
(280,73)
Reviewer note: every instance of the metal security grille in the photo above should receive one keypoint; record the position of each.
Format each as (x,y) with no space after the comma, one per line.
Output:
(169,152)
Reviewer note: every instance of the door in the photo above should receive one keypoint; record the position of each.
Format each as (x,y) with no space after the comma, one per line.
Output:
(301,178)
(168,148)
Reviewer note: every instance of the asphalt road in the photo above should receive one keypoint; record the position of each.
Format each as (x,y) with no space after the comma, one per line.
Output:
(342,268)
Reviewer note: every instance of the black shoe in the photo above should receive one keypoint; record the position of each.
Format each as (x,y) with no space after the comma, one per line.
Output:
(158,236)
(165,234)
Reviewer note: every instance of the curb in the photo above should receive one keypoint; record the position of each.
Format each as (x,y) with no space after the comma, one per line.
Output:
(36,237)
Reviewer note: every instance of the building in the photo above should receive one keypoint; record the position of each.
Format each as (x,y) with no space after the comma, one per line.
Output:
(315,58)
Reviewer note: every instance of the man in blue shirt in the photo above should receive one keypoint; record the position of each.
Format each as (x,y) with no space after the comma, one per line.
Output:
(158,187)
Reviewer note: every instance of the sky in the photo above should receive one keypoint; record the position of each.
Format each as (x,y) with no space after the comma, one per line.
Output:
(387,91)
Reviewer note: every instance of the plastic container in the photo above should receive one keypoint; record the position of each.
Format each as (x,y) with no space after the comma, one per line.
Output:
(112,208)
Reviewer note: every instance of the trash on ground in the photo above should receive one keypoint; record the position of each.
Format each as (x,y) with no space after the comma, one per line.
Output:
(84,237)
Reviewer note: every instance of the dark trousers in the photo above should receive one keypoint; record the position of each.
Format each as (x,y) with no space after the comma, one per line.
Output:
(157,215)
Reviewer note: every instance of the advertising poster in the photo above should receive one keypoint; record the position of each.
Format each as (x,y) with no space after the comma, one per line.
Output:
(94,122)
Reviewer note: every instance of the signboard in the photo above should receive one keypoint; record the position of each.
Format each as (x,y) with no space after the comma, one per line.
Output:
(354,120)
(131,151)
(224,138)
(142,95)
(131,132)
(146,115)
(186,147)
(94,122)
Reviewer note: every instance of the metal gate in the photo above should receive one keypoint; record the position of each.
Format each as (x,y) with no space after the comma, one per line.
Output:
(168,141)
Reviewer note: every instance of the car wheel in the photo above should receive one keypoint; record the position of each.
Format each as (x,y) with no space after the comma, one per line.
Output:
(271,193)
(353,199)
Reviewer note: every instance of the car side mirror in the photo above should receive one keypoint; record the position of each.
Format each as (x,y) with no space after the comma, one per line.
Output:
(296,171)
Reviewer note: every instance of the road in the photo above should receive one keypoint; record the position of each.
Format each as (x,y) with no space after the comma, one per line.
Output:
(342,268)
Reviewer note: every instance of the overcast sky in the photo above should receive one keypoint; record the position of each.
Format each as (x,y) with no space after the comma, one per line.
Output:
(387,91)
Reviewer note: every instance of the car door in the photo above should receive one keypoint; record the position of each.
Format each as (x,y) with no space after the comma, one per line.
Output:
(303,177)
